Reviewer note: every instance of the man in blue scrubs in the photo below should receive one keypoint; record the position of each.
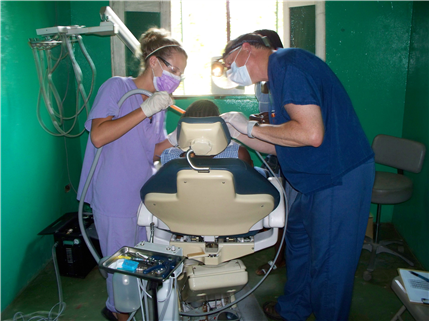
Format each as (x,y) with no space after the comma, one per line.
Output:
(325,157)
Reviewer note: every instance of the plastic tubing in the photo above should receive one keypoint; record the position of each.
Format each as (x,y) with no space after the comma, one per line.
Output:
(78,76)
(39,57)
(52,85)
(93,69)
(57,118)
(46,97)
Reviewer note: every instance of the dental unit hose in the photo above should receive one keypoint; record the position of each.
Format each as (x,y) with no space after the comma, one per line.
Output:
(91,174)
(48,89)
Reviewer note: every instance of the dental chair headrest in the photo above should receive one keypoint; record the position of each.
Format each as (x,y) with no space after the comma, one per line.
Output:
(206,136)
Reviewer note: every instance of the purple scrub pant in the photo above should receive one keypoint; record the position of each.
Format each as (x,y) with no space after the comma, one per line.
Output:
(114,233)
(324,239)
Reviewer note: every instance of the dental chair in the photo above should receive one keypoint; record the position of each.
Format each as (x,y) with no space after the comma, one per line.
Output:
(215,210)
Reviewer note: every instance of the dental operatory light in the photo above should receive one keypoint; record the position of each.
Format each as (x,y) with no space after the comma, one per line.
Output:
(219,77)
(217,69)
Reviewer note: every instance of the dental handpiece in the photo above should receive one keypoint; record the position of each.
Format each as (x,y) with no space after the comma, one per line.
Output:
(178,109)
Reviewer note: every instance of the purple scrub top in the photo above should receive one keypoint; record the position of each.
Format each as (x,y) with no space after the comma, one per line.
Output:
(126,163)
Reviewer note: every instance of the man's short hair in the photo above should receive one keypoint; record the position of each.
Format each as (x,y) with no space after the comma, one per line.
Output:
(253,39)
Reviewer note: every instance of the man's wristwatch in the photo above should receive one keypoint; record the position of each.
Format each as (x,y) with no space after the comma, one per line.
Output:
(250,125)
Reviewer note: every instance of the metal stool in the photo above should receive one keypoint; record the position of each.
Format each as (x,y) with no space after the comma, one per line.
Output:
(391,188)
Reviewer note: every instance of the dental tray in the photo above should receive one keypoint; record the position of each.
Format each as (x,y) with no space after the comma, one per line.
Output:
(141,263)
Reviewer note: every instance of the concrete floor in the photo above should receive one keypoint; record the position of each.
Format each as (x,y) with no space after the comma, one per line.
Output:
(373,300)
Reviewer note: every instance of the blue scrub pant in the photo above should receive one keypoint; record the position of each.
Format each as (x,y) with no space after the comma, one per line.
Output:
(324,238)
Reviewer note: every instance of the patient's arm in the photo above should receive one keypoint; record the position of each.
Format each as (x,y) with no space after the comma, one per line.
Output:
(244,155)
(159,148)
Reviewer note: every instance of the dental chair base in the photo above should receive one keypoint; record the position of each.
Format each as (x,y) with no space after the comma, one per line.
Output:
(208,283)
(213,274)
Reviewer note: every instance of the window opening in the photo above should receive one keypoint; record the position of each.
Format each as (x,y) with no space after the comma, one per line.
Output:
(204,35)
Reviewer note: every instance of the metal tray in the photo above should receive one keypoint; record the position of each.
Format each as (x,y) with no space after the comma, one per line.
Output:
(171,262)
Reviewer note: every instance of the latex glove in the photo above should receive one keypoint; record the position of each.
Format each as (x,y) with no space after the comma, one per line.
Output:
(232,131)
(237,120)
(172,137)
(160,100)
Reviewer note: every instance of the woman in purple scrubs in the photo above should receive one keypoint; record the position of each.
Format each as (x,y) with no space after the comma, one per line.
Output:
(129,135)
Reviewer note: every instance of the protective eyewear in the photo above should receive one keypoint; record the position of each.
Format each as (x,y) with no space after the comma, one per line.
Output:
(174,70)
(219,67)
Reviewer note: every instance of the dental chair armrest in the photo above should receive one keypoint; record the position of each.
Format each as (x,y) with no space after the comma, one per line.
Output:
(277,217)
(145,218)
(265,239)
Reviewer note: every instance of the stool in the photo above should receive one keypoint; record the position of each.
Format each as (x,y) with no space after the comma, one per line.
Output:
(420,312)
(390,188)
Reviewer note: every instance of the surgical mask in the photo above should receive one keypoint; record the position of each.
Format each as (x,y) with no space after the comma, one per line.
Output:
(167,82)
(239,75)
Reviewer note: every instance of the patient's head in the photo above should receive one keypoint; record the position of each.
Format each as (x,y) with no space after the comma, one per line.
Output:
(202,108)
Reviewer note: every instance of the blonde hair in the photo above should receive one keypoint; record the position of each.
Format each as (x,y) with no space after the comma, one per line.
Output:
(157,41)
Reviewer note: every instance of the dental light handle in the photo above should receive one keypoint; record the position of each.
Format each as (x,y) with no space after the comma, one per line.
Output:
(89,178)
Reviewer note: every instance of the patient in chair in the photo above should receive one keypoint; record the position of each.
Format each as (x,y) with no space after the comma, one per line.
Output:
(207,108)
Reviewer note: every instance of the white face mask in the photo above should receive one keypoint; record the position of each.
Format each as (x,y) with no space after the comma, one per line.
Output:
(239,75)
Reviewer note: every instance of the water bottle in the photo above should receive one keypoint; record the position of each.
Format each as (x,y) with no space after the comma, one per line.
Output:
(126,293)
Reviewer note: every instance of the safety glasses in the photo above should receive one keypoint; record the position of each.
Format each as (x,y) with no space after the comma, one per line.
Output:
(174,70)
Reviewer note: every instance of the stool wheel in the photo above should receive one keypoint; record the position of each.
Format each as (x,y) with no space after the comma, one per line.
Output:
(367,275)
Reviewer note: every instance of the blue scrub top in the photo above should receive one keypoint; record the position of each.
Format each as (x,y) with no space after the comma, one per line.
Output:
(299,77)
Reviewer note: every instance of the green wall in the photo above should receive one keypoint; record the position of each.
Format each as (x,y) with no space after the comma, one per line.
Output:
(412,217)
(368,46)
(34,168)
(33,175)
(379,50)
